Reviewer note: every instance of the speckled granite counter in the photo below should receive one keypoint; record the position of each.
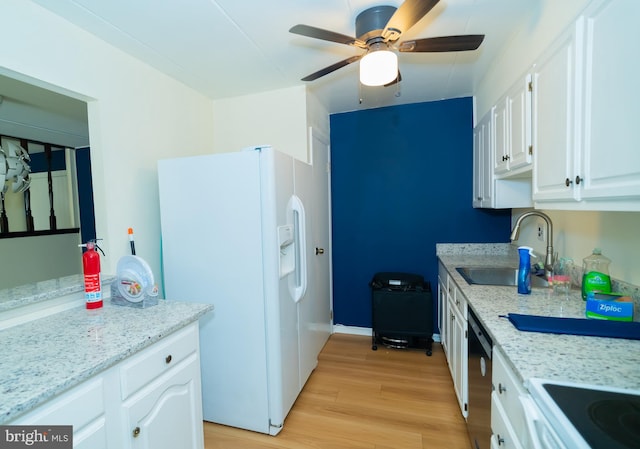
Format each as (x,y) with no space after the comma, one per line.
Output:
(44,357)
(36,292)
(595,360)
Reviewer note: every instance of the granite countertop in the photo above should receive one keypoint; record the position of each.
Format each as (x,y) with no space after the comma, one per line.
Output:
(29,294)
(45,357)
(593,360)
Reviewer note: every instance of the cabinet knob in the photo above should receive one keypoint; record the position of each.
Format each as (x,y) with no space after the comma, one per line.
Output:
(501,389)
(168,359)
(136,432)
(578,180)
(319,251)
(568,182)
(500,440)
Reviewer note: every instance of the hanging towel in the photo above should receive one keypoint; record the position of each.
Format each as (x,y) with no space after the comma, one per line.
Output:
(576,326)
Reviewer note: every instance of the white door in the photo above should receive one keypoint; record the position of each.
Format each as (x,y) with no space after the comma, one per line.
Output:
(321,265)
(312,182)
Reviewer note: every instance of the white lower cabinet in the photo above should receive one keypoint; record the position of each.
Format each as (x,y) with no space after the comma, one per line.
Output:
(507,416)
(443,309)
(83,407)
(150,400)
(162,414)
(452,306)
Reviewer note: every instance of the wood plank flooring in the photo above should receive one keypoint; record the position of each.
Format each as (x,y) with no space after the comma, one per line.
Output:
(363,399)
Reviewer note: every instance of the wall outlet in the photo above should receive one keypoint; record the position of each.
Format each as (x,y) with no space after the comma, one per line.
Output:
(541,231)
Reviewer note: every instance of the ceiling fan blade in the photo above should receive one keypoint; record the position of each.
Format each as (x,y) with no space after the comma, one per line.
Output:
(326,35)
(443,44)
(395,81)
(406,16)
(331,68)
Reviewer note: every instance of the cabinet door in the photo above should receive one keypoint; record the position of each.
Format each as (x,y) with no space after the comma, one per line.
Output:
(450,350)
(82,407)
(501,137)
(167,414)
(459,356)
(477,166)
(519,120)
(611,105)
(443,310)
(554,87)
(483,162)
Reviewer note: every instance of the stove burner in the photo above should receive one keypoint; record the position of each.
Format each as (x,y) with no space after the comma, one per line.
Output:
(604,419)
(618,418)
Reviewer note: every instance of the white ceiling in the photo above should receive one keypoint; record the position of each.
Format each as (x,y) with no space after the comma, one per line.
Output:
(226,48)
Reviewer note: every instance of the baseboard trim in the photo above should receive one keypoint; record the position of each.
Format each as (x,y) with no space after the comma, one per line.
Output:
(351,330)
(366,331)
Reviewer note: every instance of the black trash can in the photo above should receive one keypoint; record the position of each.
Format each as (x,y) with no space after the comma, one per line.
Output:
(401,311)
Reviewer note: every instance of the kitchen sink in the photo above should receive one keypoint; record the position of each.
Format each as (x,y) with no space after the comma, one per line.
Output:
(496,276)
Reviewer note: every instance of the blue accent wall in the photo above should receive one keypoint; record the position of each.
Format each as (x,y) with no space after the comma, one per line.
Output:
(85,194)
(401,181)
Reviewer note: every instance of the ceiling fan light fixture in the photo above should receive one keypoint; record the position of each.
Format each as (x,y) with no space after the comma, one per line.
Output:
(378,67)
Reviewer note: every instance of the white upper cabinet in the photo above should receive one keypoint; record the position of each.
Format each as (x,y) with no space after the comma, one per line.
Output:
(512,118)
(586,106)
(554,87)
(520,117)
(501,135)
(610,165)
(482,163)
(490,191)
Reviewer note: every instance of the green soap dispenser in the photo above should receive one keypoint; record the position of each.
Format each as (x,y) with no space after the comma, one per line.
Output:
(595,274)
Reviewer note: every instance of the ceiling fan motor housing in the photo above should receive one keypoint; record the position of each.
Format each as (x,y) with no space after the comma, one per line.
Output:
(371,22)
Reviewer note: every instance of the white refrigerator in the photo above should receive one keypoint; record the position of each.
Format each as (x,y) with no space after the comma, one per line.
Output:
(233,235)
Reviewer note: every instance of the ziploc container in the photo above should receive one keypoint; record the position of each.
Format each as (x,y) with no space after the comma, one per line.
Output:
(609,306)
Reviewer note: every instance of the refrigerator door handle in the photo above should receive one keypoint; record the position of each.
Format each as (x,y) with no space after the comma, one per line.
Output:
(298,279)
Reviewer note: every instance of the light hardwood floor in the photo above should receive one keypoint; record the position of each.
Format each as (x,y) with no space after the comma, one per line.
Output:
(362,399)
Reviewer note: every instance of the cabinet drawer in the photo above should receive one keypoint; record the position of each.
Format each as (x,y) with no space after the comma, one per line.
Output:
(507,389)
(77,407)
(504,436)
(458,300)
(154,361)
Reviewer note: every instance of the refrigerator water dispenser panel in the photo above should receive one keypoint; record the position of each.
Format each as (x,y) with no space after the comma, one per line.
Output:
(287,250)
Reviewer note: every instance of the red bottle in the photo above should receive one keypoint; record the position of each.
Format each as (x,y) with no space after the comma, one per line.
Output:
(92,282)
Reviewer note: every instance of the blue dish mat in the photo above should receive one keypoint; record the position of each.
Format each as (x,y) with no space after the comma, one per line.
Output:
(576,326)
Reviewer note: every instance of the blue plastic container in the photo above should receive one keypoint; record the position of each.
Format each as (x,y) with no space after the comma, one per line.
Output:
(524,270)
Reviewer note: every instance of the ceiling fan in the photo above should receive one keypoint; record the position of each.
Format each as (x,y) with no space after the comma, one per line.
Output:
(378,30)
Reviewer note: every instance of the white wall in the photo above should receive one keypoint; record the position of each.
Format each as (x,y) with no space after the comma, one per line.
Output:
(136,116)
(576,233)
(277,118)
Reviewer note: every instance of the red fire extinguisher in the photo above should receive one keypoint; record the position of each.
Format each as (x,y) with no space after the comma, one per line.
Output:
(92,281)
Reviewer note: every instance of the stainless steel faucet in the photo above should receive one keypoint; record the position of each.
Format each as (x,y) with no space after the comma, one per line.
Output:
(548,259)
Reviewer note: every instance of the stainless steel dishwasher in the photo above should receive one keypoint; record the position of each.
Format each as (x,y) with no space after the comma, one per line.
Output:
(479,359)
